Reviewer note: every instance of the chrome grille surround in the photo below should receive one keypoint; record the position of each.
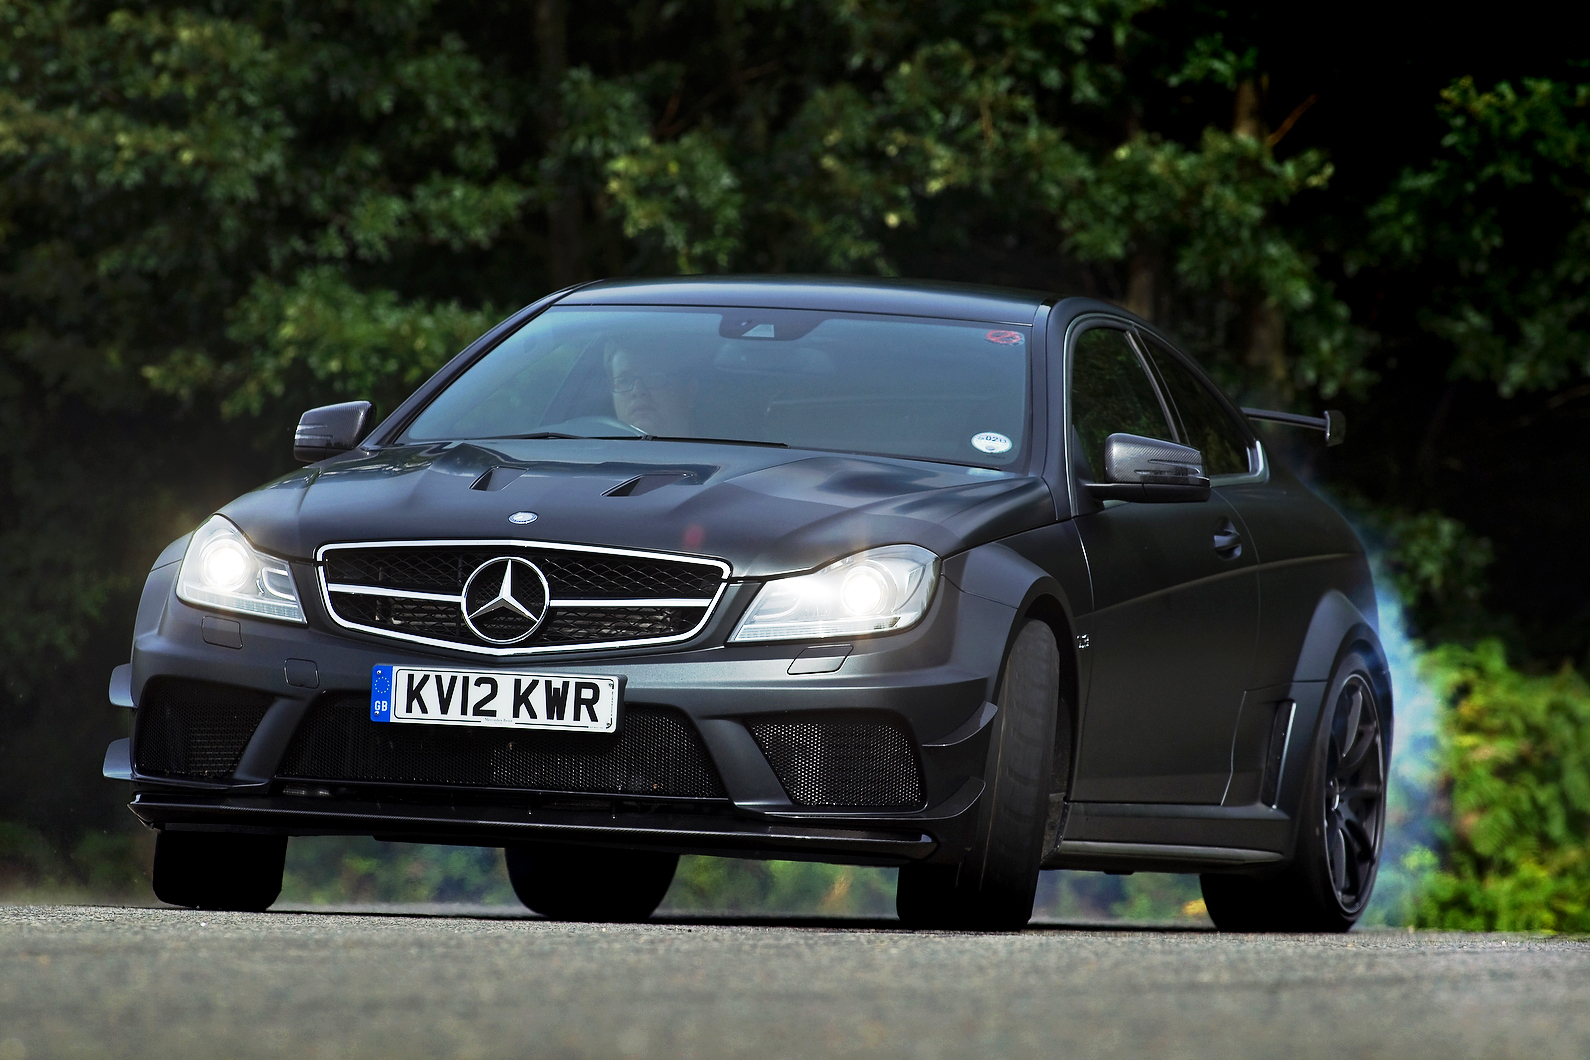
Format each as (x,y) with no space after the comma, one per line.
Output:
(680,612)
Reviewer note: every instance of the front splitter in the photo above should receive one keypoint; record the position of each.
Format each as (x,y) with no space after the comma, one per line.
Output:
(491,826)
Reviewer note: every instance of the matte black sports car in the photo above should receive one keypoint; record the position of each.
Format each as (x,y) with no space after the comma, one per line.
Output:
(966,580)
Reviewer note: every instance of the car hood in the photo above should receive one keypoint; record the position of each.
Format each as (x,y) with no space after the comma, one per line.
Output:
(765,511)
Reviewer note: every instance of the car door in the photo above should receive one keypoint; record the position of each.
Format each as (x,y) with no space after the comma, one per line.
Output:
(1176,604)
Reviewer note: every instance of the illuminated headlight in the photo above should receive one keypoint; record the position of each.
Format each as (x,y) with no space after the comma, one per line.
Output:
(222,570)
(878,591)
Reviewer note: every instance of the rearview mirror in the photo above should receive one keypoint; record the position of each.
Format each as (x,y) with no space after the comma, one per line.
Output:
(1149,469)
(330,429)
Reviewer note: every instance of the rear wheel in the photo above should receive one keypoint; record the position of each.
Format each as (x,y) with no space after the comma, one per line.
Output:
(992,888)
(1343,816)
(589,883)
(219,870)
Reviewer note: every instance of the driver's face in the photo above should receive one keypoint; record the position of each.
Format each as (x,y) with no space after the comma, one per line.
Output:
(651,393)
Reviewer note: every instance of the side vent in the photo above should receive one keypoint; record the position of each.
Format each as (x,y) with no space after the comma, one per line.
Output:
(1280,737)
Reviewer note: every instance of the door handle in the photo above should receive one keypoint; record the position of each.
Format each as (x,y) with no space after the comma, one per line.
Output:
(1228,542)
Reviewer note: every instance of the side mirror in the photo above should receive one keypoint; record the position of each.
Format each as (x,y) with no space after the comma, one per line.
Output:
(330,429)
(1148,469)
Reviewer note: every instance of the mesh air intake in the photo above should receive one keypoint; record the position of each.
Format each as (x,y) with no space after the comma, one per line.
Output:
(194,729)
(656,753)
(853,764)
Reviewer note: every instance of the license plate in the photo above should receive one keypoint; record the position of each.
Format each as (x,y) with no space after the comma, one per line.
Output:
(569,702)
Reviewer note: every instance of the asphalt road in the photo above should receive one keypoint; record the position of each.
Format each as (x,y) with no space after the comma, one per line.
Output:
(162,983)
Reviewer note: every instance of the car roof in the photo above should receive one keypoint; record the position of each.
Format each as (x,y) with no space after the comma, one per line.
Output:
(932,298)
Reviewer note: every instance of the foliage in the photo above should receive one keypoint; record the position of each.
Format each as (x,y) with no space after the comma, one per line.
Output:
(726,885)
(322,870)
(1516,757)
(1436,568)
(1502,211)
(103,865)
(213,215)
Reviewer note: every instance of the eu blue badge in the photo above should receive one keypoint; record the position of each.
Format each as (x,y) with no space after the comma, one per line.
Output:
(381,693)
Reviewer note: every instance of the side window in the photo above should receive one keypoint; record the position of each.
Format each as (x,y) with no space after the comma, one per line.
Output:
(1206,423)
(1111,393)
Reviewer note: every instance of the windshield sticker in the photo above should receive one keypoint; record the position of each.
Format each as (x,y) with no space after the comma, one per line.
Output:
(1004,338)
(989,442)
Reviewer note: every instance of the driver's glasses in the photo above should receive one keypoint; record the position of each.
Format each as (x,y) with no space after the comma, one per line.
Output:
(624,384)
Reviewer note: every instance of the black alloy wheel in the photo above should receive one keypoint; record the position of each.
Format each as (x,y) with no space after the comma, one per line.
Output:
(1342,824)
(563,882)
(219,870)
(1354,803)
(993,886)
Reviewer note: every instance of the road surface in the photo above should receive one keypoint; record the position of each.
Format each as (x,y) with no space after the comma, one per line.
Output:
(159,983)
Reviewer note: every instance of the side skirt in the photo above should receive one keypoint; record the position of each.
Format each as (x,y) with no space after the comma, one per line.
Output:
(1154,837)
(1153,857)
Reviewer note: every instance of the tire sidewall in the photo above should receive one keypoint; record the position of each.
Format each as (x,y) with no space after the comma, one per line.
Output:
(1311,864)
(1020,757)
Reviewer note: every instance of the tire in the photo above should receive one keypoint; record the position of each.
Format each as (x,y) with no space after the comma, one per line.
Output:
(993,886)
(219,870)
(1342,820)
(589,883)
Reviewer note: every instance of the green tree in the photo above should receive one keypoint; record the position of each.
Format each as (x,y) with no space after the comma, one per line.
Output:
(1516,761)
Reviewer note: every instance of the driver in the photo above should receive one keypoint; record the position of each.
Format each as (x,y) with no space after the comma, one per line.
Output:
(653,390)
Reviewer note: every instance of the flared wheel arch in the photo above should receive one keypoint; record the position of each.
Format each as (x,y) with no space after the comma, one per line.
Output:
(1361,640)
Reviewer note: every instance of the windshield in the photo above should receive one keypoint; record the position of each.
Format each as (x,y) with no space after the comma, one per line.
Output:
(943,390)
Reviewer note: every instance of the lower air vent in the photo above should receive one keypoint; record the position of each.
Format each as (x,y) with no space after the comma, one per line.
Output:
(842,763)
(194,729)
(656,754)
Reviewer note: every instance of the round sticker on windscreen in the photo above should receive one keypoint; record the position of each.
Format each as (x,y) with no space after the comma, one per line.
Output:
(1004,338)
(989,442)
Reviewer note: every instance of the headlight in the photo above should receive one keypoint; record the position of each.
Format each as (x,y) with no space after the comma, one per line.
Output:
(221,570)
(877,591)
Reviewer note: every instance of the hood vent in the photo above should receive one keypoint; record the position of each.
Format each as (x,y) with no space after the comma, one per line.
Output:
(496,479)
(653,480)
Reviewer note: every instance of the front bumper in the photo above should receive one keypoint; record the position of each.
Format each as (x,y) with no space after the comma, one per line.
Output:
(933,681)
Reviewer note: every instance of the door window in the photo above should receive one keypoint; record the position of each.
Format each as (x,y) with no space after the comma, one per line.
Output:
(1111,393)
(1205,423)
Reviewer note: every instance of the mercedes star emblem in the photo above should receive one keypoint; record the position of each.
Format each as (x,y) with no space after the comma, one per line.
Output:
(505,600)
(521,518)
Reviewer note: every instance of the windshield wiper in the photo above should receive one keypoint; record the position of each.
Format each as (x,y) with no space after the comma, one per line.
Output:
(632,438)
(537,434)
(710,441)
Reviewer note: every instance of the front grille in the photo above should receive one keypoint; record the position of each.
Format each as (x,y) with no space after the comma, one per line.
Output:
(194,729)
(860,763)
(595,598)
(656,753)
(443,621)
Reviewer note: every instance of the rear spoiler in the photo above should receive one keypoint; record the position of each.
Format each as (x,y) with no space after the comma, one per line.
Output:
(1333,423)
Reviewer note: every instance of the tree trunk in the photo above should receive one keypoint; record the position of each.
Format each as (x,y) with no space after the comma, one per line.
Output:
(1267,352)
(566,210)
(1247,111)
(1141,284)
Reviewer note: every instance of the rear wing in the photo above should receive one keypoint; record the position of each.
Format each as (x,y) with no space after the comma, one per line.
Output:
(1333,423)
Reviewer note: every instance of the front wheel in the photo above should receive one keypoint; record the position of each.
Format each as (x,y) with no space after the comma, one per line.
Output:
(219,870)
(589,883)
(1343,816)
(993,886)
